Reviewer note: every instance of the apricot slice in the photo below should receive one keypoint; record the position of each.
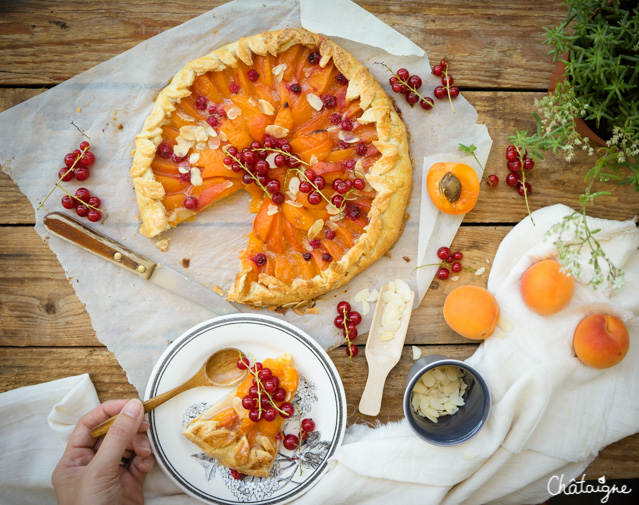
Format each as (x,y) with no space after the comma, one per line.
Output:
(453,187)
(545,288)
(601,341)
(472,312)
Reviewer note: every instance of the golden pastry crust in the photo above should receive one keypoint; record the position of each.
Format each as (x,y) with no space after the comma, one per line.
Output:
(390,176)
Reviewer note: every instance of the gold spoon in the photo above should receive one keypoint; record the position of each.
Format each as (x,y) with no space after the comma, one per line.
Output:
(220,369)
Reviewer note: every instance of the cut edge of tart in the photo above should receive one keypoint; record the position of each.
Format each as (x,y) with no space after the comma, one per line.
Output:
(389,176)
(225,432)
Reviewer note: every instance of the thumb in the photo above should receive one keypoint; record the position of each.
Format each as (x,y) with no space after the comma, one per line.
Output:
(119,436)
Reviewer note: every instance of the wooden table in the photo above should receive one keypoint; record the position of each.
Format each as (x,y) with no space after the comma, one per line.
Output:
(500,66)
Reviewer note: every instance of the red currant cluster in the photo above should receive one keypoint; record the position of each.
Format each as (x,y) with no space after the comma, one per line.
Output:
(265,398)
(517,163)
(446,90)
(216,112)
(449,259)
(84,204)
(347,321)
(292,442)
(404,83)
(77,164)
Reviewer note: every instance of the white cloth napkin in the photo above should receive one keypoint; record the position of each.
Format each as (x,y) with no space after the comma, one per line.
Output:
(550,416)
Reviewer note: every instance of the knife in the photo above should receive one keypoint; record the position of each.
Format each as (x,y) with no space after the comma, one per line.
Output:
(90,240)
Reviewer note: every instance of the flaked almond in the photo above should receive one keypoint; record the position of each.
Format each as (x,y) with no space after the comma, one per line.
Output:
(348,137)
(270,159)
(417,353)
(227,184)
(265,107)
(314,101)
(253,101)
(272,210)
(293,203)
(313,160)
(187,132)
(480,271)
(331,225)
(184,167)
(233,112)
(196,176)
(373,296)
(276,131)
(184,116)
(194,158)
(214,143)
(181,149)
(386,336)
(200,146)
(504,324)
(279,69)
(332,210)
(223,136)
(315,228)
(200,134)
(366,308)
(210,131)
(294,186)
(362,295)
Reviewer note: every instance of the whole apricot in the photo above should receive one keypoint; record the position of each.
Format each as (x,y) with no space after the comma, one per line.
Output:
(545,288)
(472,312)
(453,187)
(601,341)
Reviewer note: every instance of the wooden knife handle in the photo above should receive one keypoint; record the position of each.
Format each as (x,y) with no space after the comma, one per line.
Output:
(90,240)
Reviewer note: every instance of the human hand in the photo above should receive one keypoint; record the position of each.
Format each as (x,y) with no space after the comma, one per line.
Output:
(91,470)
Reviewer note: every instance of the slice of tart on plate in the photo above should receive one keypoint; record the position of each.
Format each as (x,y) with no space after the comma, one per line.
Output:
(301,126)
(247,440)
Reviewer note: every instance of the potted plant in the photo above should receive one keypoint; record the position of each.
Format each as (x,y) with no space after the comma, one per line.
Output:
(598,44)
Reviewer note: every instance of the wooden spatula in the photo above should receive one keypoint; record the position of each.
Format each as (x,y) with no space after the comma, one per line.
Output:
(382,356)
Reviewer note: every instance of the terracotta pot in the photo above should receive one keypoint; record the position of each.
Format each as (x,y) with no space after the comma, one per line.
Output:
(582,128)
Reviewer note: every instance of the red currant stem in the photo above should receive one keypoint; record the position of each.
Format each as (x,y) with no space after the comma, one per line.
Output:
(57,184)
(257,181)
(448,88)
(469,269)
(348,340)
(275,150)
(441,264)
(523,182)
(86,204)
(299,440)
(259,392)
(402,81)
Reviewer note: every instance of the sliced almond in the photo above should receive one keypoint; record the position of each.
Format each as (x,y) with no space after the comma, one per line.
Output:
(253,101)
(270,159)
(214,143)
(386,336)
(276,131)
(454,278)
(504,324)
(184,116)
(234,112)
(194,158)
(272,210)
(279,69)
(314,101)
(315,228)
(181,149)
(419,387)
(187,132)
(184,167)
(348,137)
(480,271)
(196,176)
(313,160)
(331,225)
(332,210)
(227,184)
(293,203)
(373,297)
(223,136)
(366,308)
(265,107)
(362,295)
(417,353)
(294,186)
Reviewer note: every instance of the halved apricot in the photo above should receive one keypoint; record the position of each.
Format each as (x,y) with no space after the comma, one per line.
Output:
(453,187)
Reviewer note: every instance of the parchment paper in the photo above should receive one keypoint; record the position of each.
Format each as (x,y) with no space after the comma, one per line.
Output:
(136,320)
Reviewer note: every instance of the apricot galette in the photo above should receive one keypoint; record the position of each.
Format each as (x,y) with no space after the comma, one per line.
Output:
(303,127)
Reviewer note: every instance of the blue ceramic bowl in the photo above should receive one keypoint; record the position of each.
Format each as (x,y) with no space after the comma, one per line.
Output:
(466,422)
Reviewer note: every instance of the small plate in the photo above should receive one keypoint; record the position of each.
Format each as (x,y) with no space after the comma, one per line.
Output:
(320,396)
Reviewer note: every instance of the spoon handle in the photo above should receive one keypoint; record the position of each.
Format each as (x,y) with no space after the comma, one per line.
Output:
(371,402)
(156,401)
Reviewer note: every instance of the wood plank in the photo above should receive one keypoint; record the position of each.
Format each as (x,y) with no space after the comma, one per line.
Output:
(617,461)
(50,41)
(553,180)
(38,306)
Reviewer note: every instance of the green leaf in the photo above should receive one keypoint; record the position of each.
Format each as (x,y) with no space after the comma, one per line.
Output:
(467,149)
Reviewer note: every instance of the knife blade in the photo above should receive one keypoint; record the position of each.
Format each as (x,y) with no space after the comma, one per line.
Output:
(95,242)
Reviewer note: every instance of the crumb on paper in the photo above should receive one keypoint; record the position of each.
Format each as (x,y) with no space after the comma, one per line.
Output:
(311,310)
(79,109)
(163,245)
(218,290)
(388,255)
(406,259)
(469,457)
(186,262)
(120,127)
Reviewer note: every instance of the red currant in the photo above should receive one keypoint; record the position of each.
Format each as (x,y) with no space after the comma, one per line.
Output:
(307,256)
(81,210)
(190,202)
(255,415)
(269,385)
(438,70)
(326,257)
(351,350)
(514,166)
(329,234)
(234,87)
(279,160)
(314,58)
(319,182)
(512,180)
(456,267)
(337,200)
(69,160)
(355,317)
(81,172)
(492,180)
(528,164)
(415,81)
(440,92)
(314,198)
(341,79)
(305,187)
(165,150)
(212,121)
(443,253)
(346,125)
(350,331)
(65,174)
(68,202)
(259,259)
(94,201)
(252,75)
(427,103)
(277,198)
(279,395)
(291,442)
(201,103)
(243,363)
(84,145)
(447,80)
(287,410)
(443,273)
(308,425)
(237,475)
(453,91)
(315,243)
(248,402)
(335,118)
(403,74)
(444,63)
(270,414)
(412,98)
(361,149)
(339,322)
(521,191)
(511,154)
(343,306)
(457,255)
(83,194)
(359,184)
